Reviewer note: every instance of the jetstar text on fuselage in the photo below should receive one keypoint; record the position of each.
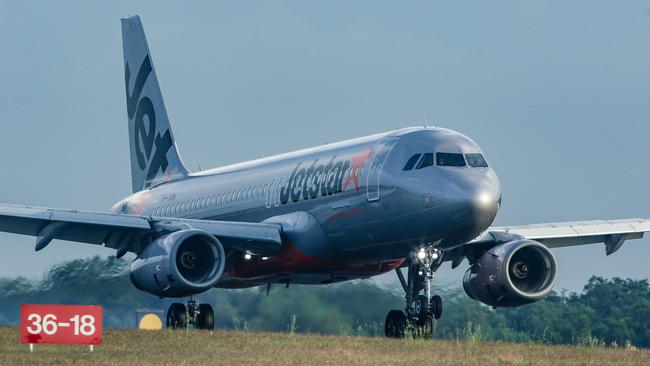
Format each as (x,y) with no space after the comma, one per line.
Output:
(324,178)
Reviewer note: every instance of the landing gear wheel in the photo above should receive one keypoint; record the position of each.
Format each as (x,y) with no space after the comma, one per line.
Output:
(176,316)
(422,308)
(395,324)
(424,324)
(424,328)
(205,318)
(436,306)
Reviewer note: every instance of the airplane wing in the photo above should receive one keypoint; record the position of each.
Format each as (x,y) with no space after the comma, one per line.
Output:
(563,234)
(125,232)
(613,233)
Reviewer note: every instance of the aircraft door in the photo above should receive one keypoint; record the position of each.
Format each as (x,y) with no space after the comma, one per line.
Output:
(379,155)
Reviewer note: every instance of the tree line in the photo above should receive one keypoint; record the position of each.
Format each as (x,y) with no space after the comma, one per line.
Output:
(606,312)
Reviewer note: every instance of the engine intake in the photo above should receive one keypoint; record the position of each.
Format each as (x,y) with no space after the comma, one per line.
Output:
(179,264)
(511,274)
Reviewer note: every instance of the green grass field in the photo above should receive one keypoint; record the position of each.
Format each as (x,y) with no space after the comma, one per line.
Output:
(134,347)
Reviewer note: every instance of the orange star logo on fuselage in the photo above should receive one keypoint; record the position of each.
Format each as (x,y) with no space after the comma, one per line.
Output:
(356,163)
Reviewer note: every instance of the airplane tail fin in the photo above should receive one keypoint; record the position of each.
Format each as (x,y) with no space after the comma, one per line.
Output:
(154,154)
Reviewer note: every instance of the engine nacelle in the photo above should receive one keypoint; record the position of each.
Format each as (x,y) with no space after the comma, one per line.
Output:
(511,274)
(183,263)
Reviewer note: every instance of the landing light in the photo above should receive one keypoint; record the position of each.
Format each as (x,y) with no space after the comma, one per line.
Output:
(484,199)
(422,254)
(435,255)
(248,256)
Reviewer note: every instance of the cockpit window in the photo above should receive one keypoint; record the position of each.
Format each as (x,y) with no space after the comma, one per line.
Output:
(427,160)
(449,159)
(476,160)
(411,163)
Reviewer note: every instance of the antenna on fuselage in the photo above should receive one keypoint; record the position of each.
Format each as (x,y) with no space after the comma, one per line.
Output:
(426,124)
(262,152)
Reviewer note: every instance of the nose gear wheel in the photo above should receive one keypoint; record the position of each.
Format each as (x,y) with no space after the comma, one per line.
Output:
(422,308)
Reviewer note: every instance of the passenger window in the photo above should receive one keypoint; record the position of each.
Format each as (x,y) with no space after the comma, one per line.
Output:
(450,159)
(476,161)
(411,162)
(427,160)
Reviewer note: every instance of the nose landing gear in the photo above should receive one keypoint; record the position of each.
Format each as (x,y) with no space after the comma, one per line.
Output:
(192,316)
(421,309)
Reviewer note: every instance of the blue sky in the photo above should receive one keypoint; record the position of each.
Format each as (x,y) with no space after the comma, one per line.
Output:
(556,93)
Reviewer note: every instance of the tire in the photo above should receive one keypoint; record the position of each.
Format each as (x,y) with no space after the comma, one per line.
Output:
(395,324)
(176,316)
(436,306)
(205,319)
(421,308)
(425,328)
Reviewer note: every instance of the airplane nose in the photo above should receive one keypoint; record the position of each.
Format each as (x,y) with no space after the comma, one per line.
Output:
(477,200)
(487,200)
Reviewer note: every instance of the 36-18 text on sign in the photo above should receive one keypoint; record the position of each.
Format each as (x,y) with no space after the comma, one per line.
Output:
(60,324)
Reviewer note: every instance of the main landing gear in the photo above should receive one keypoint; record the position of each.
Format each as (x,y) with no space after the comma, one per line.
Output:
(192,316)
(421,309)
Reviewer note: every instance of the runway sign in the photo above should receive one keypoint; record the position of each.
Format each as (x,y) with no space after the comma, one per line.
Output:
(60,324)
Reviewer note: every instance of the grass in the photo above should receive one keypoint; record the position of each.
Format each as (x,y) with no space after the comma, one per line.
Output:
(134,347)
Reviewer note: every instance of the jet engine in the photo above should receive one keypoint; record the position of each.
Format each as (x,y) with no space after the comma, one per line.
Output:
(511,274)
(183,263)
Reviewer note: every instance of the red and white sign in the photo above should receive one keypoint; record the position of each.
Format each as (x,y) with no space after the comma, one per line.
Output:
(60,324)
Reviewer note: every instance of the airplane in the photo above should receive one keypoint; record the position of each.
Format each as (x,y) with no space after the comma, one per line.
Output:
(411,198)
